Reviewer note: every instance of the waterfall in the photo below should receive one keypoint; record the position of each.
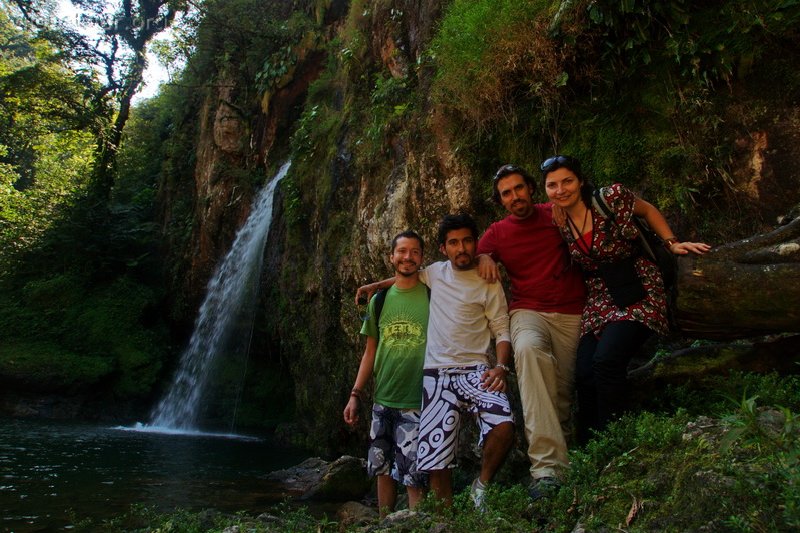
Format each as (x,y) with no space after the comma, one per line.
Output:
(232,291)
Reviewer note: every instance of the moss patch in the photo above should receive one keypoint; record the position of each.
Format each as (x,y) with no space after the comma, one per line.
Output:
(46,365)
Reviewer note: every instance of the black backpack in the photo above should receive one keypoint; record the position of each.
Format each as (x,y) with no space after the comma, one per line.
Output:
(652,247)
(380,299)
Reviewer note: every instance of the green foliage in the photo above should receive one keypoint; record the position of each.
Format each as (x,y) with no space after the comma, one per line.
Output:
(292,203)
(389,103)
(773,435)
(351,47)
(314,143)
(654,472)
(636,34)
(61,330)
(46,140)
(318,129)
(637,89)
(52,118)
(283,518)
(248,39)
(45,365)
(717,396)
(488,52)
(275,68)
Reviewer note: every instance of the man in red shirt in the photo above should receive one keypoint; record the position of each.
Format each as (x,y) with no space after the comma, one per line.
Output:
(547,297)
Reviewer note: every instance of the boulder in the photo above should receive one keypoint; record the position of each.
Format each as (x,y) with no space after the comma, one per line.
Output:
(356,514)
(341,480)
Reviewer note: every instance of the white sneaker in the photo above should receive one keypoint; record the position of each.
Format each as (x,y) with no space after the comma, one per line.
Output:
(477,493)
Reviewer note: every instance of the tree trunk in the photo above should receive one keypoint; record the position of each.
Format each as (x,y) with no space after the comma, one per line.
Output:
(107,160)
(136,24)
(742,289)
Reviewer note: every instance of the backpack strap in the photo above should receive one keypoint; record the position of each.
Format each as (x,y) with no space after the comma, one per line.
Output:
(380,299)
(599,202)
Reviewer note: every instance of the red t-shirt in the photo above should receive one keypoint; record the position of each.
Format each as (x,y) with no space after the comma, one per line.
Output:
(535,258)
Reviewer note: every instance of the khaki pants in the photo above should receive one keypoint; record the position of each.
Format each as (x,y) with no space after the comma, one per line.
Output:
(544,356)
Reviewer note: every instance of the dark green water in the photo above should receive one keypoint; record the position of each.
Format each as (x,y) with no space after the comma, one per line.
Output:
(55,475)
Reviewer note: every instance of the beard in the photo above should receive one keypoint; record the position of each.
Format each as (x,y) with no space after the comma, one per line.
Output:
(404,273)
(521,208)
(457,262)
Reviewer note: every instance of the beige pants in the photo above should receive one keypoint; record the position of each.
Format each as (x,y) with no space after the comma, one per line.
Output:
(544,357)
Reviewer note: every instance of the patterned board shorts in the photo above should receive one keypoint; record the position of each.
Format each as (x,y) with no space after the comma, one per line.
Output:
(393,445)
(447,393)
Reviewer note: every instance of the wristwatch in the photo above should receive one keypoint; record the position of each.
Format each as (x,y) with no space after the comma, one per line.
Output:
(504,367)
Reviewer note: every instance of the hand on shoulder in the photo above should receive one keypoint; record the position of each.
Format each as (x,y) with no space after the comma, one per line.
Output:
(488,268)
(559,216)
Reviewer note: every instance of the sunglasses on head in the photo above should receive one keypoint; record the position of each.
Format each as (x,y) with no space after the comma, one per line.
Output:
(556,161)
(507,170)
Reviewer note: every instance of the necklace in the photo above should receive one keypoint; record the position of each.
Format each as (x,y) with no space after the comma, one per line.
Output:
(579,235)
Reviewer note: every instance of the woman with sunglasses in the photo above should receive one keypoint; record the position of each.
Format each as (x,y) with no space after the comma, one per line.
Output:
(626,302)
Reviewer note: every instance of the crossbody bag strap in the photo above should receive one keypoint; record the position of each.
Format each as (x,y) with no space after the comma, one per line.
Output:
(599,202)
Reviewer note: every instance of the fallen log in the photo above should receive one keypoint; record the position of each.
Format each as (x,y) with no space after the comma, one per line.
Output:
(699,365)
(742,289)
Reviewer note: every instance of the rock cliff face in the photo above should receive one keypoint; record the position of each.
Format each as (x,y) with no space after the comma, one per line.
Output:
(351,205)
(344,215)
(346,198)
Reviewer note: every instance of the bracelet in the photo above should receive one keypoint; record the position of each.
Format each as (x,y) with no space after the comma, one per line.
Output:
(668,242)
(356,393)
(503,366)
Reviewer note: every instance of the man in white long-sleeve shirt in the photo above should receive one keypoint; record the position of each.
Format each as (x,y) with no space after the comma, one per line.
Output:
(465,313)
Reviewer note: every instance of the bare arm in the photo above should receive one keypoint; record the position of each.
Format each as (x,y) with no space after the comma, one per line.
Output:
(559,216)
(659,224)
(369,289)
(496,379)
(498,321)
(363,376)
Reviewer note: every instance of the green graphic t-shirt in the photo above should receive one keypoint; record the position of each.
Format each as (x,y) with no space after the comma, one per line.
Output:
(401,346)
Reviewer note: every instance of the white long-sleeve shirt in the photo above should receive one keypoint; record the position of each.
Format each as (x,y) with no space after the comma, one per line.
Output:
(465,313)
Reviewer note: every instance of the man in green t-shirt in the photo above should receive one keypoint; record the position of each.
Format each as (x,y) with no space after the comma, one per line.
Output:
(396,329)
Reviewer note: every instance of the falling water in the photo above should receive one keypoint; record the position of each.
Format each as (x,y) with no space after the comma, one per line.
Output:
(232,288)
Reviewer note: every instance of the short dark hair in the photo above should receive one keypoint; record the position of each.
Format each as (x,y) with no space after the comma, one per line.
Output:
(408,234)
(507,170)
(454,222)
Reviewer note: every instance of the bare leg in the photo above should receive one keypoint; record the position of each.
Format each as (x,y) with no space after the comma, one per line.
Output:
(415,494)
(495,449)
(442,486)
(387,494)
